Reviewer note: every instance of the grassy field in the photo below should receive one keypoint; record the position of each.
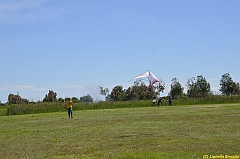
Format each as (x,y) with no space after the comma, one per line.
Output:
(147,132)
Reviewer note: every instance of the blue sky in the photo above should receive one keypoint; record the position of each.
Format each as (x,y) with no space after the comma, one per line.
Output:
(73,47)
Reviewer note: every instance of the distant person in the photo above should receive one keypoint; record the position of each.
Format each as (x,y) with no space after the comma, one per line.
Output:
(170,101)
(154,101)
(160,101)
(69,107)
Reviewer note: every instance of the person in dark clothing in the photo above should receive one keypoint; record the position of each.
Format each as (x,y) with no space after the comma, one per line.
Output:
(170,101)
(160,101)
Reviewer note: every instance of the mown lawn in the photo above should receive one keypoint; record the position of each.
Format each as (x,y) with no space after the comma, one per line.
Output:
(147,132)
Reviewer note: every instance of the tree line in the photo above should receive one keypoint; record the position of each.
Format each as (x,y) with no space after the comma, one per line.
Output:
(197,87)
(50,97)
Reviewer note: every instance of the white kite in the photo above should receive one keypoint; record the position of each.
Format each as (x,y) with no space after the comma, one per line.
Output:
(151,77)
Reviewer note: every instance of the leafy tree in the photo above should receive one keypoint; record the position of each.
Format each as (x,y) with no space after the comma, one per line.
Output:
(75,99)
(151,92)
(139,91)
(146,92)
(198,87)
(160,87)
(13,99)
(203,86)
(236,88)
(226,84)
(50,97)
(16,99)
(104,91)
(176,88)
(86,98)
(60,100)
(117,94)
(192,88)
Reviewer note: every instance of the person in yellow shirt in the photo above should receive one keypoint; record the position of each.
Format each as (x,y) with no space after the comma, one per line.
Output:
(69,107)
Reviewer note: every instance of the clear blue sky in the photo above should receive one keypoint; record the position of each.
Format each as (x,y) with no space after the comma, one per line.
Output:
(73,47)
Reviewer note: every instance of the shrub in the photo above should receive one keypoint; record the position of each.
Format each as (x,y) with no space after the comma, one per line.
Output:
(45,107)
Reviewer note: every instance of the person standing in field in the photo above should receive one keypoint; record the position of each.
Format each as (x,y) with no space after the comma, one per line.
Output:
(69,107)
(170,101)
(154,101)
(160,101)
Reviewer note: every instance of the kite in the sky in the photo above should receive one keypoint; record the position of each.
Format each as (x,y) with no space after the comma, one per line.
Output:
(151,77)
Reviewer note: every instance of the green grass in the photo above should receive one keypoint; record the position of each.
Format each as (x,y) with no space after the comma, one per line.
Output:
(147,132)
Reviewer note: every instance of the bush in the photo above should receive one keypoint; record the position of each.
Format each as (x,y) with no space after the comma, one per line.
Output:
(47,107)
